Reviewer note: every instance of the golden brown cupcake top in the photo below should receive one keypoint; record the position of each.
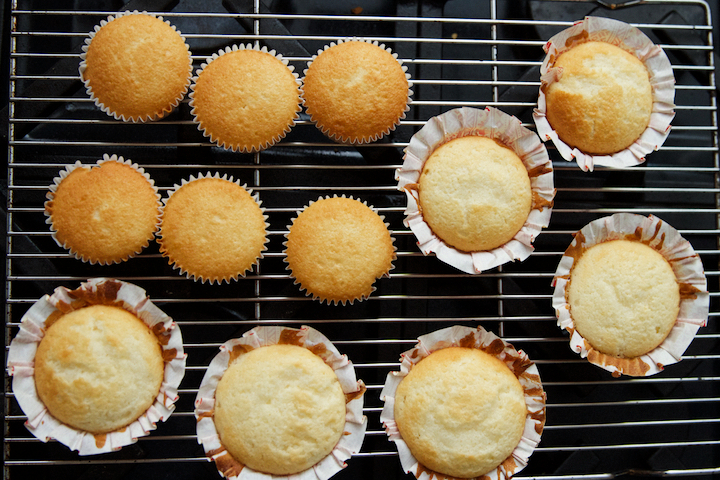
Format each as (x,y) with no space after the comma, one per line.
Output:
(624,297)
(245,99)
(355,91)
(461,411)
(137,67)
(279,409)
(212,229)
(104,214)
(98,368)
(337,248)
(474,193)
(603,99)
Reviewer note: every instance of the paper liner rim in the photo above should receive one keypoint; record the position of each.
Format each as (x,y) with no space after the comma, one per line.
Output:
(686,264)
(69,169)
(231,146)
(345,301)
(306,337)
(468,121)
(148,117)
(20,366)
(358,140)
(455,336)
(663,91)
(201,278)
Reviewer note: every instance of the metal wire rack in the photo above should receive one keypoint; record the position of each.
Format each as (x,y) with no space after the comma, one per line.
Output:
(459,53)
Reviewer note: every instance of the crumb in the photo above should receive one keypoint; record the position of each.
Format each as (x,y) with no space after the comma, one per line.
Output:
(356,10)
(454,36)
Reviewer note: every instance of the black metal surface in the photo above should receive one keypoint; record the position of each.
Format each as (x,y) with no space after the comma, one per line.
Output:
(590,429)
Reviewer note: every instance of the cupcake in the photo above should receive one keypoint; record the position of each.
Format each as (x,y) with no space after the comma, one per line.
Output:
(245,99)
(632,294)
(136,67)
(465,404)
(103,214)
(356,91)
(479,187)
(97,367)
(337,248)
(607,94)
(212,228)
(278,402)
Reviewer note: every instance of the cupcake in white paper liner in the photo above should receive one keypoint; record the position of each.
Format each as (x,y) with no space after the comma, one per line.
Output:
(636,328)
(245,98)
(336,249)
(96,398)
(462,406)
(660,92)
(136,66)
(233,354)
(104,213)
(356,90)
(213,229)
(538,192)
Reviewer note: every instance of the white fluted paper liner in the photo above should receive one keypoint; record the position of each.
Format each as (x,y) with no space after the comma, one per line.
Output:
(98,102)
(516,360)
(350,300)
(508,130)
(662,82)
(21,361)
(379,135)
(307,337)
(220,142)
(688,269)
(69,169)
(254,196)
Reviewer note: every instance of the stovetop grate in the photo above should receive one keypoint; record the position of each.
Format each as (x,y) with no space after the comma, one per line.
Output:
(459,53)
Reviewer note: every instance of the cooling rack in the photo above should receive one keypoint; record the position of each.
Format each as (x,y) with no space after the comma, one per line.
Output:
(459,53)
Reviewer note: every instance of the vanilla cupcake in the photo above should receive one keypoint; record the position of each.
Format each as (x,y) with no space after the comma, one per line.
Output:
(103,214)
(245,99)
(280,401)
(212,228)
(97,367)
(356,91)
(632,294)
(465,404)
(337,248)
(607,94)
(136,67)
(479,187)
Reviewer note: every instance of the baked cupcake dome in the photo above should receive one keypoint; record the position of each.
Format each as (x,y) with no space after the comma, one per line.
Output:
(279,409)
(245,99)
(356,91)
(136,67)
(461,411)
(614,276)
(624,297)
(106,213)
(474,193)
(212,229)
(98,368)
(603,99)
(337,248)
